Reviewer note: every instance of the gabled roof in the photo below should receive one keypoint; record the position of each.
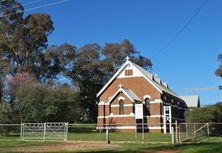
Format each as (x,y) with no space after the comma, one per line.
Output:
(130,94)
(191,101)
(151,78)
(162,86)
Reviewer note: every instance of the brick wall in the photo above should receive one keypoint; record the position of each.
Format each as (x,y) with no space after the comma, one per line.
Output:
(141,87)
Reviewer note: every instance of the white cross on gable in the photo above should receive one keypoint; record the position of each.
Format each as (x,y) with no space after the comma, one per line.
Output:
(120,85)
(127,58)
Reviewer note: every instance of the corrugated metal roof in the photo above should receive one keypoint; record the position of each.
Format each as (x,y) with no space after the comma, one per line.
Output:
(191,101)
(157,83)
(131,94)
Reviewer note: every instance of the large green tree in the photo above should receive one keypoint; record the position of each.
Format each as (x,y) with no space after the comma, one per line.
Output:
(24,38)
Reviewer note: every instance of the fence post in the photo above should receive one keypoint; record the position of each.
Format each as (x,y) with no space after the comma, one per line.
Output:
(100,132)
(21,132)
(208,132)
(66,130)
(172,134)
(194,126)
(44,133)
(107,136)
(187,134)
(135,130)
(176,131)
(143,130)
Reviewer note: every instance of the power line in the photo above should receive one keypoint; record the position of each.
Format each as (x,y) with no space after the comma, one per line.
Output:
(34,8)
(24,4)
(32,2)
(181,30)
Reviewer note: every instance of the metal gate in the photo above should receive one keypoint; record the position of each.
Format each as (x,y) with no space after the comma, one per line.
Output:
(56,131)
(44,131)
(32,132)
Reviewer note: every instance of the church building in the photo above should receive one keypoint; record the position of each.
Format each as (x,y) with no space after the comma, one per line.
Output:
(132,85)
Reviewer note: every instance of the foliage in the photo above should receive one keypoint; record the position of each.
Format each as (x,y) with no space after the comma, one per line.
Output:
(4,69)
(62,105)
(31,63)
(218,71)
(90,67)
(32,101)
(210,113)
(20,80)
(22,39)
(6,115)
(41,103)
(116,53)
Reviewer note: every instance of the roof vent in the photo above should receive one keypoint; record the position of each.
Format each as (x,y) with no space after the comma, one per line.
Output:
(150,75)
(157,79)
(165,84)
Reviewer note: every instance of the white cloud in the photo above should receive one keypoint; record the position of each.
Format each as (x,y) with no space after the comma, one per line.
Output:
(202,88)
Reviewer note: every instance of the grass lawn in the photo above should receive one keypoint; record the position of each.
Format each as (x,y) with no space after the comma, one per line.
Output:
(89,133)
(86,139)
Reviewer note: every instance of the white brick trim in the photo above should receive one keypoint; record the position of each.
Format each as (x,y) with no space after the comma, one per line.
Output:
(101,103)
(103,117)
(156,101)
(125,115)
(146,96)
(152,116)
(125,105)
(129,115)
(121,98)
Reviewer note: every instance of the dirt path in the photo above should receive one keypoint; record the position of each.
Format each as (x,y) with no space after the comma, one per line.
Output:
(70,146)
(77,146)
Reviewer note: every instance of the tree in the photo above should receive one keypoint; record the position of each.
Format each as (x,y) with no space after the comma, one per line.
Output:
(37,102)
(19,85)
(211,113)
(4,69)
(90,67)
(89,72)
(116,53)
(62,105)
(218,71)
(23,39)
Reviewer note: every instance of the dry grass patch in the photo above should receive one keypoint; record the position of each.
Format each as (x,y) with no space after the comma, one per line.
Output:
(65,147)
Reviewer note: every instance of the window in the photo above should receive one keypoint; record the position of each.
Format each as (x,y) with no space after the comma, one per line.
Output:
(128,72)
(121,107)
(147,106)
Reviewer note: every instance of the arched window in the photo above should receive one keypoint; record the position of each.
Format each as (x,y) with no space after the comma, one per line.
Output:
(121,107)
(147,106)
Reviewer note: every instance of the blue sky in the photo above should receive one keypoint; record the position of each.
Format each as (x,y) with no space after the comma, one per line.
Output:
(187,64)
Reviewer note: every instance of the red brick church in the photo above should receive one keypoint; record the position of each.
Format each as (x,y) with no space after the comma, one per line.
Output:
(130,85)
